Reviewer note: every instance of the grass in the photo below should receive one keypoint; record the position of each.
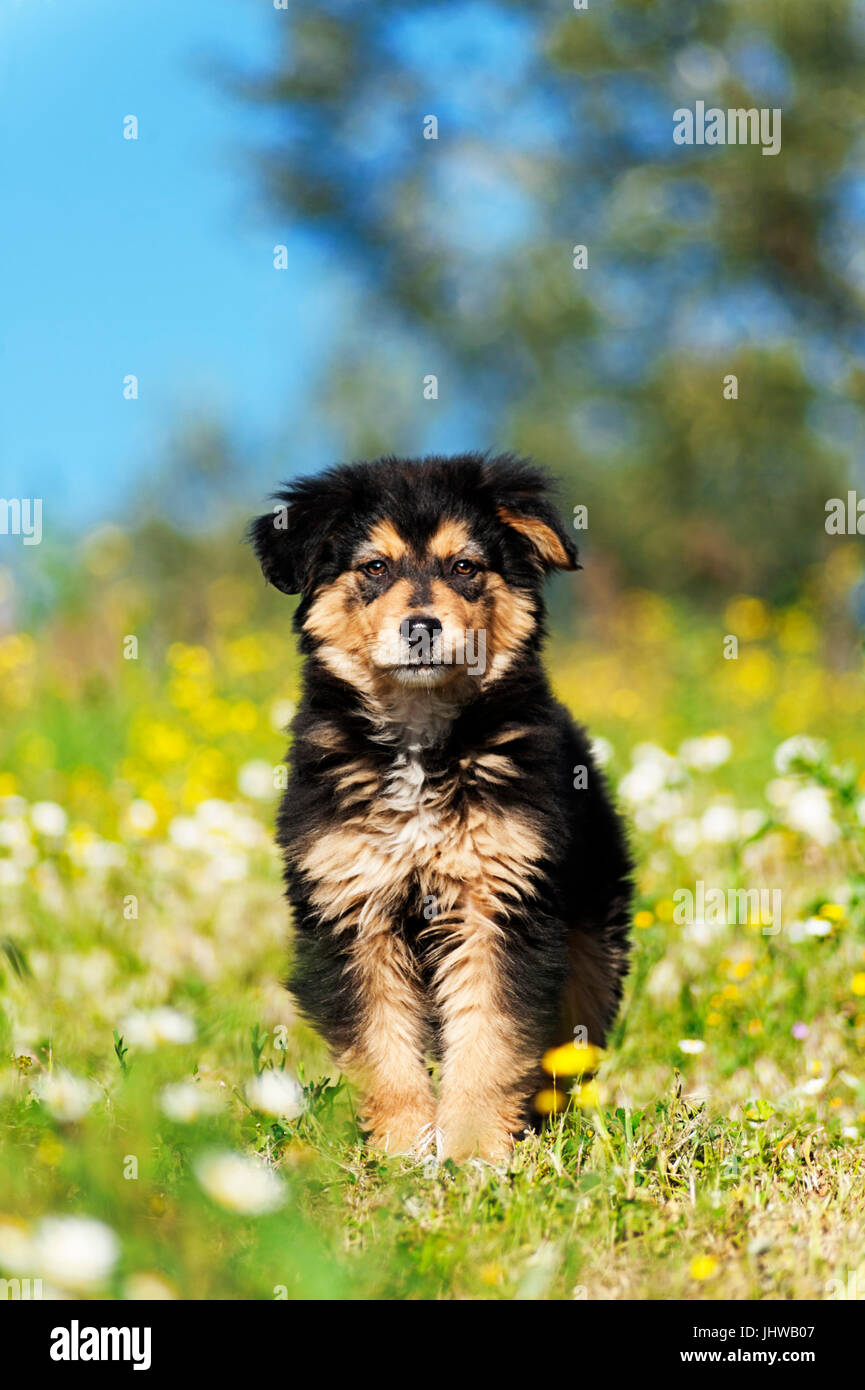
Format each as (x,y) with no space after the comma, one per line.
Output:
(716,1153)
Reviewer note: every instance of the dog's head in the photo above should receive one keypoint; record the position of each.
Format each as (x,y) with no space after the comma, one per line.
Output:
(416,572)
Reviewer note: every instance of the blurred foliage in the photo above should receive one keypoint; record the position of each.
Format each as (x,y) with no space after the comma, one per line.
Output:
(555,129)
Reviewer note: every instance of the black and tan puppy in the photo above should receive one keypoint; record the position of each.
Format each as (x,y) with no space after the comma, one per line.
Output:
(460,888)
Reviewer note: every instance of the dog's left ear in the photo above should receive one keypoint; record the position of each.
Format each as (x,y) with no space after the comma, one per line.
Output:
(520,491)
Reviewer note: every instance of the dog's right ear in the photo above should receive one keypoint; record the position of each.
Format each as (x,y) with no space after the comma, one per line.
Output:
(290,541)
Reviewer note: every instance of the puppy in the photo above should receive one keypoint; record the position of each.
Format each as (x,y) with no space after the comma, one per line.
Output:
(459,878)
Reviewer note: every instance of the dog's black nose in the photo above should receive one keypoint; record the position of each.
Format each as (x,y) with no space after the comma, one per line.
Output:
(412,627)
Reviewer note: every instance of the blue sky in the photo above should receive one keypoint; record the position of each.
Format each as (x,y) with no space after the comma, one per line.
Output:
(151,257)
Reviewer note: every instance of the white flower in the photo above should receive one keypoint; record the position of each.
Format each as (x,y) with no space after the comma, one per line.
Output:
(780,790)
(185,833)
(140,817)
(255,779)
(684,836)
(68,1097)
(798,749)
(810,811)
(48,818)
(705,754)
(850,1132)
(750,822)
(602,751)
(860,811)
(276,1093)
(76,1252)
(240,1183)
(147,1029)
(281,714)
(813,1087)
(691,1045)
(720,823)
(185,1101)
(817,926)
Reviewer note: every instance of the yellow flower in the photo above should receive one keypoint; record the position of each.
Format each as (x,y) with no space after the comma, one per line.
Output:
(748,618)
(755,1028)
(491,1274)
(643,919)
(703,1267)
(713,1019)
(587,1094)
(857,984)
(550,1102)
(742,969)
(731,992)
(571,1060)
(833,912)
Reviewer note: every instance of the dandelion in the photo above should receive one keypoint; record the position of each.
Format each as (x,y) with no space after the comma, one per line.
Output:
(703,1267)
(240,1183)
(276,1093)
(857,984)
(68,1097)
(643,919)
(571,1059)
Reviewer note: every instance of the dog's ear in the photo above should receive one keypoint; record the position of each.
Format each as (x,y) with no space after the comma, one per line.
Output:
(291,540)
(521,500)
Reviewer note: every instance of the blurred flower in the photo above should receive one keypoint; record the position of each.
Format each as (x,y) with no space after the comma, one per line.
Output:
(186,1101)
(240,1183)
(810,811)
(691,1045)
(147,1288)
(705,754)
(571,1059)
(140,817)
(799,1031)
(255,779)
(720,823)
(76,1252)
(48,818)
(857,984)
(780,790)
(276,1093)
(281,714)
(685,835)
(602,751)
(147,1029)
(68,1097)
(703,1267)
(798,749)
(16,1245)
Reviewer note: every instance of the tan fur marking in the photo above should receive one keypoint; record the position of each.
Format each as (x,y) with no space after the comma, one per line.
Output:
(384,537)
(450,538)
(388,1061)
(483,1081)
(544,540)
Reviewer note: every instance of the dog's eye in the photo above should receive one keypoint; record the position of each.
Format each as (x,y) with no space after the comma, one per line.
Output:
(465,567)
(375,567)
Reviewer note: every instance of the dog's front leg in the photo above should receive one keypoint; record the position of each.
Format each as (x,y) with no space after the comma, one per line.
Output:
(387,1057)
(484,1064)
